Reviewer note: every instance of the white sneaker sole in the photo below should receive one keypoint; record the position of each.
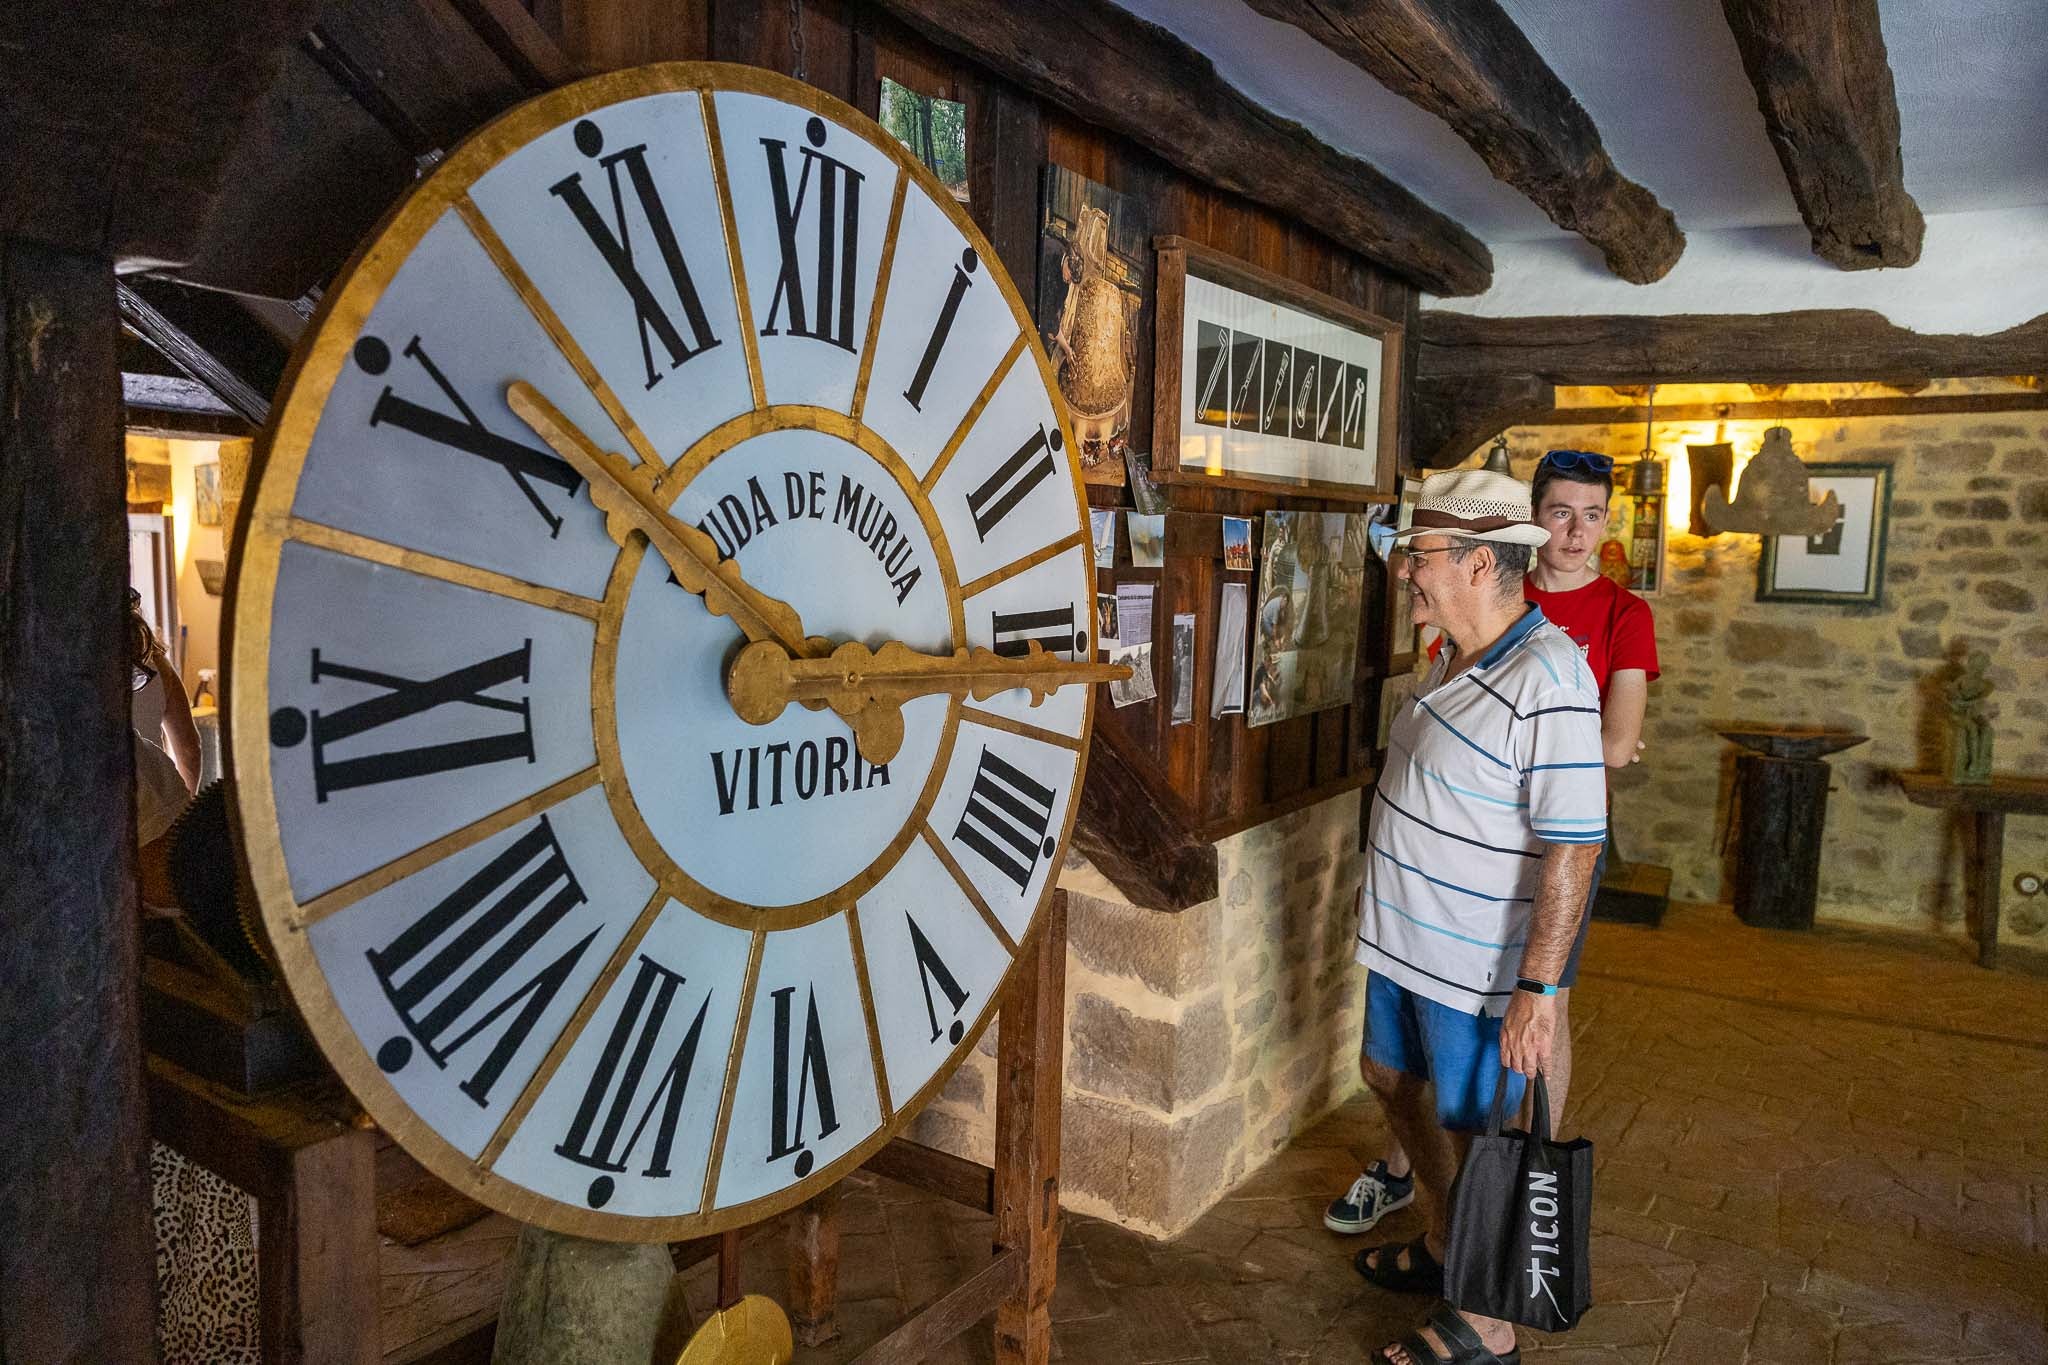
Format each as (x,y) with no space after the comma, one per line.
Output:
(1352,1227)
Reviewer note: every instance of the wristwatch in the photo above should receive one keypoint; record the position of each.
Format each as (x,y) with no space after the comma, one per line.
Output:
(1535,987)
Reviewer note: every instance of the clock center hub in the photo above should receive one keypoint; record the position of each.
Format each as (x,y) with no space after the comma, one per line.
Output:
(785,818)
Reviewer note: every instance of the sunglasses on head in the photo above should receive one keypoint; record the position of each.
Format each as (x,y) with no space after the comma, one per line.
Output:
(1564,461)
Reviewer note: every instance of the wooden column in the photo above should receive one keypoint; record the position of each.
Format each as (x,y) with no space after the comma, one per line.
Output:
(814,1267)
(77,1269)
(1030,1053)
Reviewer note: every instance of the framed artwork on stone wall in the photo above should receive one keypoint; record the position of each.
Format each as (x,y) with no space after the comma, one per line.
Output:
(1845,563)
(1264,384)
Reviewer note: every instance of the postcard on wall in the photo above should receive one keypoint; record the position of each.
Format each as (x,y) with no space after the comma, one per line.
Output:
(1305,627)
(1102,524)
(934,130)
(1145,490)
(206,493)
(1106,637)
(1148,540)
(1139,686)
(1094,274)
(1226,690)
(1182,667)
(1134,613)
(1237,544)
(1396,690)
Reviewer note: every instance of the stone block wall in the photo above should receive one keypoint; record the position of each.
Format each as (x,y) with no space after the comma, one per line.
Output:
(1198,1042)
(1966,563)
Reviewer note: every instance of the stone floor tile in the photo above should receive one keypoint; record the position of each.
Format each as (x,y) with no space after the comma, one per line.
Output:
(1695,1343)
(1076,1292)
(1934,1337)
(1792,1330)
(1723,1299)
(1156,1327)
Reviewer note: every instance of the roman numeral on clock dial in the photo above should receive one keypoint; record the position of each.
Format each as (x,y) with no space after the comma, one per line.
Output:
(402,699)
(1000,811)
(815,289)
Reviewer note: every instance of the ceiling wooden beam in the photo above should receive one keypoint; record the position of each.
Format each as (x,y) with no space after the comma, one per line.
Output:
(119,117)
(1817,345)
(1466,62)
(1114,69)
(147,321)
(1475,376)
(1825,89)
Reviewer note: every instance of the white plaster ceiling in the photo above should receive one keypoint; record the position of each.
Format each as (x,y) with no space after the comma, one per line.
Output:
(1664,84)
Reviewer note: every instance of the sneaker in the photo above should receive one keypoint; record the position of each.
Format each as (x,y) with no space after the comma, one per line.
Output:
(1372,1196)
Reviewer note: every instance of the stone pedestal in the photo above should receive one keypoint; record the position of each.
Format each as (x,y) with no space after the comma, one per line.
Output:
(1199,1042)
(570,1301)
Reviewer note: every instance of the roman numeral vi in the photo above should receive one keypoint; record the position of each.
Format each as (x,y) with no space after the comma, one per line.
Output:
(787,1135)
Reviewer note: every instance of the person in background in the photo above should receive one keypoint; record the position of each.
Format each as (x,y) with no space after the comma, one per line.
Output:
(1571,493)
(159,709)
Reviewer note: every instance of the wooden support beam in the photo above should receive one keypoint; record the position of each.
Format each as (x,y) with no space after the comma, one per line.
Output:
(1477,376)
(1167,97)
(232,355)
(77,1269)
(1817,345)
(1031,1047)
(1466,62)
(1825,88)
(119,117)
(1148,848)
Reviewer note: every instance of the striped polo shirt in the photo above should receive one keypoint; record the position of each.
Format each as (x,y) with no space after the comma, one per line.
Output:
(1482,772)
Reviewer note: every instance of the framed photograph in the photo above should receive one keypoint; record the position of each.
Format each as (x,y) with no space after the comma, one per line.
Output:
(1844,564)
(1264,384)
(1304,625)
(1396,691)
(1094,271)
(1400,605)
(206,493)
(1148,539)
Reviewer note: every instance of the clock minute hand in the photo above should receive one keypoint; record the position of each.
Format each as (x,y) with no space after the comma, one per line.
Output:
(869,687)
(626,496)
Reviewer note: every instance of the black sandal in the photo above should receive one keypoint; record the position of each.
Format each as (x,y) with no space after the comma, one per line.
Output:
(1423,1274)
(1458,1334)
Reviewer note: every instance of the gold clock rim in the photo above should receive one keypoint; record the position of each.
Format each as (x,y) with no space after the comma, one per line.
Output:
(276,469)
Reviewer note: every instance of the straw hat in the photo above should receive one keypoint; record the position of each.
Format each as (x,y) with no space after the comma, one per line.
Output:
(1477,504)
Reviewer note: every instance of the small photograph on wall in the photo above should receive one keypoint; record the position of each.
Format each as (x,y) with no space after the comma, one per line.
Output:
(1396,690)
(1183,668)
(1846,562)
(1107,632)
(1102,524)
(1237,544)
(1148,540)
(1094,272)
(1304,620)
(206,493)
(1631,549)
(934,130)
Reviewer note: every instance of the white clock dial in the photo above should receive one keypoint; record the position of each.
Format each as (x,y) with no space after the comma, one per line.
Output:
(593,946)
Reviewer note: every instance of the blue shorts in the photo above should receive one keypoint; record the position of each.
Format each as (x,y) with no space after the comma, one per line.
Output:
(1458,1053)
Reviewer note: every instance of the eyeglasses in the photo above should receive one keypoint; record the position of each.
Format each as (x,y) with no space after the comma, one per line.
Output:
(1565,461)
(1413,555)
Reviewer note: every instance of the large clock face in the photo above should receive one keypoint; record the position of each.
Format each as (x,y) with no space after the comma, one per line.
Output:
(592,946)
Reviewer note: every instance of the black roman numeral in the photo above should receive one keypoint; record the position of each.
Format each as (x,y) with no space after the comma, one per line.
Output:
(616,1083)
(403,698)
(827,314)
(914,395)
(526,464)
(446,974)
(931,968)
(1006,819)
(1052,629)
(614,243)
(788,1137)
(1031,466)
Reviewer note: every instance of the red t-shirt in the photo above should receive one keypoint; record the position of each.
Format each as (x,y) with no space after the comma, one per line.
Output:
(1610,625)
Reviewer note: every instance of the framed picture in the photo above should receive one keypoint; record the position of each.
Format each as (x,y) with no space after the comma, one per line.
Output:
(1094,271)
(1400,604)
(934,130)
(1264,384)
(1845,563)
(1304,624)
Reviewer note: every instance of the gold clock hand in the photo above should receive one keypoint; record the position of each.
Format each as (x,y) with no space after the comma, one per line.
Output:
(626,496)
(869,687)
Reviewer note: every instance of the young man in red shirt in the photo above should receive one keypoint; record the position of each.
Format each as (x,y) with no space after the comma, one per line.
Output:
(1613,628)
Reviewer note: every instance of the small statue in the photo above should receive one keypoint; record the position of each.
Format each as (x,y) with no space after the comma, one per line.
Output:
(1969,731)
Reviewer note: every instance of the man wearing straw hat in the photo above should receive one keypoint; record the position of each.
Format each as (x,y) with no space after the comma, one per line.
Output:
(1486,824)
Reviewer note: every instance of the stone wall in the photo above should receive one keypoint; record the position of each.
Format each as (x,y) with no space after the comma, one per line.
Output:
(1966,563)
(1198,1043)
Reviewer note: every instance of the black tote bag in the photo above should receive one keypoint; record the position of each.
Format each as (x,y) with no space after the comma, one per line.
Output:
(1521,1214)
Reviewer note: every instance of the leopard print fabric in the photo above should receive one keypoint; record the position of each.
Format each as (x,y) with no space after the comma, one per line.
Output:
(205,1264)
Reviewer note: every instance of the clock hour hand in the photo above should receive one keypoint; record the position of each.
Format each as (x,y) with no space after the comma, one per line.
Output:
(869,687)
(626,495)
